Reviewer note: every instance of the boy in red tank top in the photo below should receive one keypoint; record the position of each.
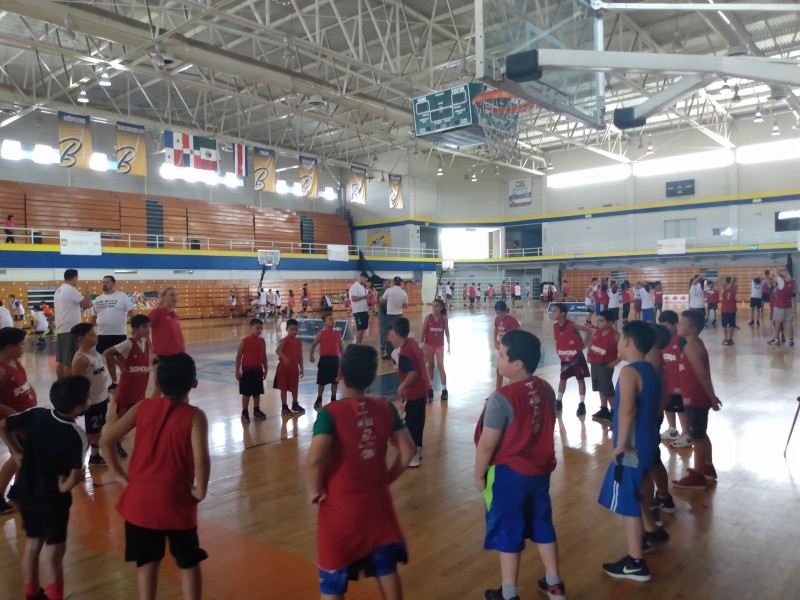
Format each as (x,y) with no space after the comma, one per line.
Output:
(16,395)
(503,323)
(132,357)
(569,348)
(514,459)
(251,370)
(672,355)
(603,358)
(290,368)
(331,348)
(164,472)
(348,479)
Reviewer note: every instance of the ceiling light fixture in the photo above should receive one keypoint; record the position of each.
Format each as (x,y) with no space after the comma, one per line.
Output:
(677,41)
(419,53)
(758,117)
(105,80)
(83,98)
(776,130)
(650,149)
(385,118)
(736,97)
(69,32)
(383,178)
(474,177)
(439,172)
(549,166)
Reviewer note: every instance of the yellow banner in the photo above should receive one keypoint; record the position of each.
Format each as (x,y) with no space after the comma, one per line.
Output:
(131,150)
(379,238)
(357,189)
(74,140)
(265,177)
(309,181)
(395,191)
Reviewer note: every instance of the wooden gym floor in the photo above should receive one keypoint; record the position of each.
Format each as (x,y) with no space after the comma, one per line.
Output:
(738,540)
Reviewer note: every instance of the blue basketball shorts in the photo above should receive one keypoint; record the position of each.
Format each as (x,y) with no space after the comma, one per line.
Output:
(379,563)
(621,490)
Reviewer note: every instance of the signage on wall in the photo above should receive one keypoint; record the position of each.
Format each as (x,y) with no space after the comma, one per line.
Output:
(84,243)
(684,187)
(673,246)
(520,192)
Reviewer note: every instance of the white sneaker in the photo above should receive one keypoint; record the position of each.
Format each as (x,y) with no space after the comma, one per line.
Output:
(415,462)
(682,441)
(669,434)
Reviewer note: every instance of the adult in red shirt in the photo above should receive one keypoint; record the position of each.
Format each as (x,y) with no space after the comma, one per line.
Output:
(414,382)
(785,303)
(728,310)
(167,336)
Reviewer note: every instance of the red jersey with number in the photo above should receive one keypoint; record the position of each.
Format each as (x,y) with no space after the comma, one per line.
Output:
(16,392)
(253,352)
(433,333)
(672,356)
(713,296)
(421,384)
(472,293)
(658,296)
(505,324)
(568,340)
(357,515)
(161,471)
(765,287)
(133,382)
(527,443)
(693,393)
(729,300)
(330,343)
(166,332)
(604,297)
(626,296)
(603,347)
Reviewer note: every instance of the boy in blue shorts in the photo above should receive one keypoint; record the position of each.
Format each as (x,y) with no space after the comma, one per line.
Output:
(514,459)
(635,428)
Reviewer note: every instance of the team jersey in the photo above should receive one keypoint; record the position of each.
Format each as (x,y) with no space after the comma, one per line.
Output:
(253,352)
(672,356)
(603,347)
(729,300)
(659,296)
(166,332)
(626,296)
(755,289)
(16,391)
(693,393)
(133,382)
(472,293)
(292,348)
(433,332)
(410,358)
(568,340)
(330,343)
(713,296)
(97,374)
(643,437)
(504,324)
(782,296)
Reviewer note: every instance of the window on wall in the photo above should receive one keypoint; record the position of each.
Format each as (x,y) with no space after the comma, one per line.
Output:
(458,243)
(723,231)
(680,228)
(787,220)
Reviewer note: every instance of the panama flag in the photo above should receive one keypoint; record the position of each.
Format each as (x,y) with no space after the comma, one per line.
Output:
(176,149)
(240,160)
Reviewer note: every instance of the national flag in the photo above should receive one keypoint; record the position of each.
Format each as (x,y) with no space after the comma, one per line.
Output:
(177,148)
(240,160)
(205,153)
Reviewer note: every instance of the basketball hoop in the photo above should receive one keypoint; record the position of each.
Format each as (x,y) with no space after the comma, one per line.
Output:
(499,116)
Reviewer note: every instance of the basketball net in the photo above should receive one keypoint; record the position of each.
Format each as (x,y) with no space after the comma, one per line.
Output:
(499,116)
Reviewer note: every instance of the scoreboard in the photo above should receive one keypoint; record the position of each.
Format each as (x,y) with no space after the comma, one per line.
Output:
(448,110)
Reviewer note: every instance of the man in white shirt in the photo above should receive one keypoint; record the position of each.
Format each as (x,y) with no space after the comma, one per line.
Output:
(111,311)
(395,299)
(262,302)
(358,301)
(6,320)
(613,301)
(697,300)
(232,303)
(15,308)
(67,304)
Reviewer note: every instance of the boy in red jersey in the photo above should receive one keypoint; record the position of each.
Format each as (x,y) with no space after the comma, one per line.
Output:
(602,356)
(698,397)
(331,348)
(728,310)
(434,331)
(348,479)
(472,295)
(712,301)
(569,348)
(16,396)
(51,464)
(503,323)
(165,472)
(672,356)
(290,368)
(414,382)
(514,459)
(251,370)
(658,299)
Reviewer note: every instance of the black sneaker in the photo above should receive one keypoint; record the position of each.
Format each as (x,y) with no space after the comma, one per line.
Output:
(286,411)
(581,409)
(752,323)
(430,395)
(656,539)
(258,415)
(40,595)
(559,405)
(602,415)
(665,503)
(443,397)
(386,357)
(298,409)
(121,452)
(656,516)
(628,568)
(245,416)
(496,594)
(333,398)
(97,461)
(5,507)
(555,591)
(318,402)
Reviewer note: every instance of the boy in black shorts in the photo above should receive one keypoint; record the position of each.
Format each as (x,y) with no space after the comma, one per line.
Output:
(331,348)
(51,464)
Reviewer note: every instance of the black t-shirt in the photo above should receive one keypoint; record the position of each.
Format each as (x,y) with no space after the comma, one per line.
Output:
(52,446)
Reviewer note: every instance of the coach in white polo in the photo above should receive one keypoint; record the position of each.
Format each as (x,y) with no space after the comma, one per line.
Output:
(395,299)
(67,304)
(358,301)
(111,311)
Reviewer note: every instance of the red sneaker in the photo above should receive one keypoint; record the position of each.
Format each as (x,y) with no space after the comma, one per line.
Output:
(710,472)
(691,481)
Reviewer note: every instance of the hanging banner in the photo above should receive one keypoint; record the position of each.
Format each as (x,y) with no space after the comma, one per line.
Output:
(240,160)
(520,192)
(84,243)
(309,182)
(395,191)
(265,177)
(357,189)
(184,150)
(380,237)
(338,252)
(74,140)
(130,151)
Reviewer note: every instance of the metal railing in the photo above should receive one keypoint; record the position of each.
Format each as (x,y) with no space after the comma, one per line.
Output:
(112,239)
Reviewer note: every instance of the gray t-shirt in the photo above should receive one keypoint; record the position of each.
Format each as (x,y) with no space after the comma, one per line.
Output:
(499,413)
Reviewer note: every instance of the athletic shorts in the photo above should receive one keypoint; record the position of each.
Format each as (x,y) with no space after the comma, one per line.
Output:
(637,305)
(380,562)
(649,315)
(615,312)
(756,302)
(712,306)
(621,490)
(782,315)
(327,370)
(144,546)
(602,376)
(95,417)
(517,509)
(728,320)
(764,298)
(434,349)
(362,320)
(449,296)
(576,367)
(46,522)
(698,422)
(66,348)
(658,306)
(598,308)
(104,342)
(675,404)
(251,382)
